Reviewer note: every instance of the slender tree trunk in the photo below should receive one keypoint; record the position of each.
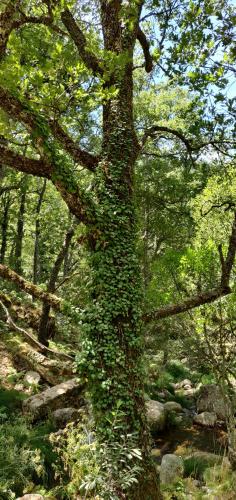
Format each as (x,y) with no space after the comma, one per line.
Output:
(36,263)
(146,263)
(67,263)
(68,254)
(228,396)
(47,324)
(231,430)
(20,229)
(4,228)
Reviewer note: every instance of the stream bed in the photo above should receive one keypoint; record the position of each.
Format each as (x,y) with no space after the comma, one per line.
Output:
(186,440)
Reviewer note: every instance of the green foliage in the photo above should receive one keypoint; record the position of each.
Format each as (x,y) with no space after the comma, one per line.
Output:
(179,372)
(11,400)
(47,71)
(19,463)
(195,466)
(88,464)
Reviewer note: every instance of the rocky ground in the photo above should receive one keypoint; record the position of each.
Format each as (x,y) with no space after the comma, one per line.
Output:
(183,436)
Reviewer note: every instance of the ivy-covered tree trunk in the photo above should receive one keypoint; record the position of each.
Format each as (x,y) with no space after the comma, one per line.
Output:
(113,338)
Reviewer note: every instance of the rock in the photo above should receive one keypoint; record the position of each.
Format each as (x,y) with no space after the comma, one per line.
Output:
(179,420)
(51,399)
(31,496)
(210,399)
(187,393)
(63,416)
(206,419)
(164,394)
(156,415)
(184,384)
(155,453)
(19,387)
(173,406)
(32,377)
(172,469)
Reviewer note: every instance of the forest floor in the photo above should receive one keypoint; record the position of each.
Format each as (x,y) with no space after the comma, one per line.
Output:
(6,366)
(196,445)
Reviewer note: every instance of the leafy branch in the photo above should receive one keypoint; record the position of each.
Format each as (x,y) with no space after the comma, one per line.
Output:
(205,297)
(13,106)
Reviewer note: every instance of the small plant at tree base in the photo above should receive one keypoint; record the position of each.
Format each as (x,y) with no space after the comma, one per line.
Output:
(88,464)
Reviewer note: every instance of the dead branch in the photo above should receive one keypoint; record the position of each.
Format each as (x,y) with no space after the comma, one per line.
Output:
(30,338)
(30,288)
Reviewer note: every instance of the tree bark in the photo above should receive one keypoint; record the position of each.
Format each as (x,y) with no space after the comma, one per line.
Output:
(20,229)
(30,288)
(36,262)
(45,325)
(113,345)
(4,228)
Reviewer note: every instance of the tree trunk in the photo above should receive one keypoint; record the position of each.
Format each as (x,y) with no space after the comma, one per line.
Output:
(4,228)
(36,263)
(20,230)
(146,261)
(113,345)
(46,326)
(231,430)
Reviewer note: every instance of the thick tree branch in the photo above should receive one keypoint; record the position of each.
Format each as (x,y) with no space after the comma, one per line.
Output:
(6,189)
(79,155)
(156,129)
(77,35)
(6,24)
(186,305)
(43,168)
(206,297)
(145,46)
(12,106)
(23,164)
(28,287)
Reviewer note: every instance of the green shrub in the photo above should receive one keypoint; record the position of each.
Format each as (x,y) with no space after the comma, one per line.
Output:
(11,400)
(18,462)
(179,372)
(89,465)
(26,454)
(195,466)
